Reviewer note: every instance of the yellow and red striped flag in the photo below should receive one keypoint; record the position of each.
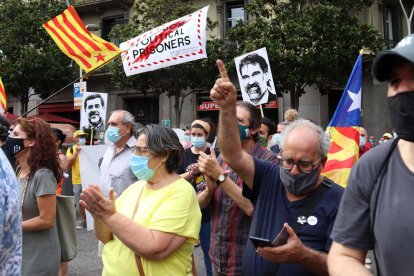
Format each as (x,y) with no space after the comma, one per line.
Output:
(344,129)
(3,98)
(75,41)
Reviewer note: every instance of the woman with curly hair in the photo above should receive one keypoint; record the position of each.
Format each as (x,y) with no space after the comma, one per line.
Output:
(38,168)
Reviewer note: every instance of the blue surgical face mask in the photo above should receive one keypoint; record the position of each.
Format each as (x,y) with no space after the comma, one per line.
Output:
(113,134)
(278,138)
(362,141)
(187,138)
(139,166)
(244,132)
(198,142)
(82,141)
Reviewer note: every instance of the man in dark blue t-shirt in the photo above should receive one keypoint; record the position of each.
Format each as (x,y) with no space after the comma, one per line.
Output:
(282,195)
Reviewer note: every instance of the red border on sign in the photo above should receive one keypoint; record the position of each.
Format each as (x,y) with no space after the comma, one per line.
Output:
(195,53)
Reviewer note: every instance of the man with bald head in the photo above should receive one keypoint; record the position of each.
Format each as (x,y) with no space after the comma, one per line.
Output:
(294,195)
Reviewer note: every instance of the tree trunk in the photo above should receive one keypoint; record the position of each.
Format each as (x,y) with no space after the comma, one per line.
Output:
(177,108)
(294,98)
(24,102)
(295,93)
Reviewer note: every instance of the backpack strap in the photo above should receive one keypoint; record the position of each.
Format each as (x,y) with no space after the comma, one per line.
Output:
(377,190)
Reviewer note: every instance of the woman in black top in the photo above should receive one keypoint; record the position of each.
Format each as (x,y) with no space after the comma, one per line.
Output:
(200,131)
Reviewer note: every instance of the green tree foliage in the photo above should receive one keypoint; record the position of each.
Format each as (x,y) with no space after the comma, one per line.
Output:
(308,42)
(196,76)
(29,59)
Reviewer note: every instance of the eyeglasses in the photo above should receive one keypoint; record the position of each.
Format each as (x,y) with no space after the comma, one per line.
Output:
(141,151)
(303,166)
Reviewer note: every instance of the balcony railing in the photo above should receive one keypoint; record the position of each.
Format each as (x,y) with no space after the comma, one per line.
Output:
(100,2)
(389,44)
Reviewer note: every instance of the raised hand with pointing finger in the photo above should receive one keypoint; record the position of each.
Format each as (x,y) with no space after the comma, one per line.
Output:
(223,93)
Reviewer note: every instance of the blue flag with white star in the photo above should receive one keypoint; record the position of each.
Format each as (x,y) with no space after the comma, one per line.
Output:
(348,112)
(344,129)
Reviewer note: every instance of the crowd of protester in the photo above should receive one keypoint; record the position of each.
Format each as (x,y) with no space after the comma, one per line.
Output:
(156,197)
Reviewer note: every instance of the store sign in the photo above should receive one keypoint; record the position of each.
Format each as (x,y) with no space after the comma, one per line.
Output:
(272,104)
(207,106)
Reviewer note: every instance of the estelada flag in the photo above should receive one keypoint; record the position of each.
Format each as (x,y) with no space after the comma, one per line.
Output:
(75,41)
(3,98)
(344,129)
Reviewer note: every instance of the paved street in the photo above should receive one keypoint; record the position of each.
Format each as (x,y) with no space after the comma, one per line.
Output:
(87,262)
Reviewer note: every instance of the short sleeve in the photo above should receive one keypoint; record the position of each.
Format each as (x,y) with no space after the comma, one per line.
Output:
(44,183)
(174,213)
(353,222)
(68,152)
(261,171)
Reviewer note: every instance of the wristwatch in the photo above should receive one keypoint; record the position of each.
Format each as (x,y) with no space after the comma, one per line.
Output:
(221,178)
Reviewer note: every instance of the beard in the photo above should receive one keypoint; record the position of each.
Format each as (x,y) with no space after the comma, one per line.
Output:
(254,91)
(94,118)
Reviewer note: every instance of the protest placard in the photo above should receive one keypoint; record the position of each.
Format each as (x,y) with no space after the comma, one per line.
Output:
(175,42)
(255,77)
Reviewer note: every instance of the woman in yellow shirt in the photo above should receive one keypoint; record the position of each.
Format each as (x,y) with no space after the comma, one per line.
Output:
(152,227)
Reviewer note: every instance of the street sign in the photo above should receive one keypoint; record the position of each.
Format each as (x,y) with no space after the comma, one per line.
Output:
(78,89)
(166,123)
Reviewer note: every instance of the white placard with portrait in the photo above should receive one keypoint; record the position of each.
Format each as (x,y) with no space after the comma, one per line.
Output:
(89,159)
(255,77)
(93,112)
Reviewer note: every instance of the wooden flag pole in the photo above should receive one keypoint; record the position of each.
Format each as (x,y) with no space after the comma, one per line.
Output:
(91,143)
(261,110)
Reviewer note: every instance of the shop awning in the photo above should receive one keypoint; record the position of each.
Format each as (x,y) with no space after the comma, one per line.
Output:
(52,118)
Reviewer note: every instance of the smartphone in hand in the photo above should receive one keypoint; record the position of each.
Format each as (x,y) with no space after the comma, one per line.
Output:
(281,238)
(260,242)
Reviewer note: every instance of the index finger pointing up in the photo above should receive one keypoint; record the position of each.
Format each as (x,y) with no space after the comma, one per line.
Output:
(222,69)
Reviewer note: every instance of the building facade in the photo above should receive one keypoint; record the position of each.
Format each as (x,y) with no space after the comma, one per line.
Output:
(386,16)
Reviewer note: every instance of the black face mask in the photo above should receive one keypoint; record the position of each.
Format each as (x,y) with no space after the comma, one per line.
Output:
(401,109)
(11,147)
(301,183)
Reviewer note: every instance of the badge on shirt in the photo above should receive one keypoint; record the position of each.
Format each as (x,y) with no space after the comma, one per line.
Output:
(312,220)
(301,220)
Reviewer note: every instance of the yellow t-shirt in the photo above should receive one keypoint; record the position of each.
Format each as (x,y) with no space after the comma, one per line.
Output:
(171,209)
(76,179)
